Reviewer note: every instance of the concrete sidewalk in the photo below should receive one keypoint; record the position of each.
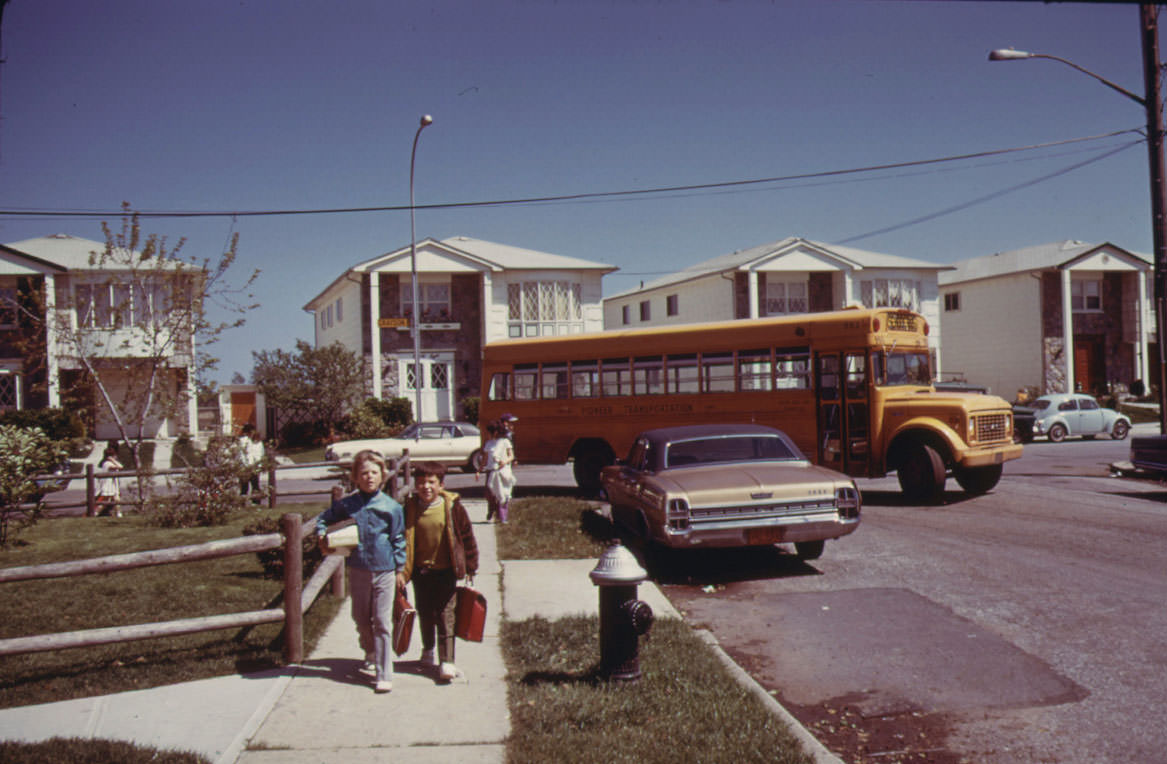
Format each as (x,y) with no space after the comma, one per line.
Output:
(324,711)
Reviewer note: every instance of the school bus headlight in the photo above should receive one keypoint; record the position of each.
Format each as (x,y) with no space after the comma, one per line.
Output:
(848,502)
(677,515)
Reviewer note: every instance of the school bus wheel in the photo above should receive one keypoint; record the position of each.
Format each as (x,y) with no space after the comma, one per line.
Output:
(921,474)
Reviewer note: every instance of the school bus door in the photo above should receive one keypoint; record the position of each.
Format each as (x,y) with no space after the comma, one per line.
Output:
(844,411)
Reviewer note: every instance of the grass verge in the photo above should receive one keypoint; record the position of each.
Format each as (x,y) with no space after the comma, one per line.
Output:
(143,595)
(88,751)
(550,528)
(686,707)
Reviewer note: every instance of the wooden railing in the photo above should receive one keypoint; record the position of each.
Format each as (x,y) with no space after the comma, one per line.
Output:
(298,594)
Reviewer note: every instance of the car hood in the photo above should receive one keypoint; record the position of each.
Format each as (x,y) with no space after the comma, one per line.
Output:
(745,481)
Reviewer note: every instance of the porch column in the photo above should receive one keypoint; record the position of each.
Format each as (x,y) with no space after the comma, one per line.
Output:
(52,347)
(752,289)
(1143,337)
(1067,330)
(375,328)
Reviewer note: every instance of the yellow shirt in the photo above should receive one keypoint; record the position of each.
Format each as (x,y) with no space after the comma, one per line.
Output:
(428,549)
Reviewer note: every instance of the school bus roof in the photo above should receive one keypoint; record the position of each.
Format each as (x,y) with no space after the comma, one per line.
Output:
(679,338)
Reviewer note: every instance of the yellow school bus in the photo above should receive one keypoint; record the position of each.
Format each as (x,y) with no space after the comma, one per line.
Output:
(852,388)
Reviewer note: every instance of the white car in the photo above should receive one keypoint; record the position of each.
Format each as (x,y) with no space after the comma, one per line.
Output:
(451,443)
(1063,414)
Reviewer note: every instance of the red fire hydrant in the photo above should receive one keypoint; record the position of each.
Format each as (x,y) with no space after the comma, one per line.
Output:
(623,618)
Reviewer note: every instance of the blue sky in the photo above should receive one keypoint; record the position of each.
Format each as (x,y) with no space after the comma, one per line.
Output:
(266,105)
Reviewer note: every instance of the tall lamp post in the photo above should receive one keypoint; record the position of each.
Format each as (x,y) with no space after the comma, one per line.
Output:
(1151,102)
(415,319)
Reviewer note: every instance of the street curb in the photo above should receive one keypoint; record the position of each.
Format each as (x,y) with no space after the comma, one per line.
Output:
(251,726)
(819,752)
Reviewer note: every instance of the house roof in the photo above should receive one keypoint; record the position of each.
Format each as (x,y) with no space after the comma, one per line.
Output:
(743,260)
(71,253)
(1040,257)
(487,255)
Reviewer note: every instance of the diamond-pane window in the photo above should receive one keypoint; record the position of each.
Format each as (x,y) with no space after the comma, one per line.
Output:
(440,376)
(9,391)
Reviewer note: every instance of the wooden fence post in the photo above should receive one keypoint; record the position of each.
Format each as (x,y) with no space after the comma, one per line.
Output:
(291,527)
(90,492)
(271,486)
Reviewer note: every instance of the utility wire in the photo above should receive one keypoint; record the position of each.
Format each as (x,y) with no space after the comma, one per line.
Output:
(562,197)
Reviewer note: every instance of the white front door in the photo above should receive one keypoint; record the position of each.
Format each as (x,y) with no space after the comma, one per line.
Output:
(437,397)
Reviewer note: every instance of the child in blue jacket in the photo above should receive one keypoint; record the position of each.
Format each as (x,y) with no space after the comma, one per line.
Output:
(373,565)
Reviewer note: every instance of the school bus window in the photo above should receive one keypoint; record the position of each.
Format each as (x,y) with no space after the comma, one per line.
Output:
(901,368)
(681,373)
(647,376)
(526,382)
(717,372)
(856,374)
(754,371)
(616,377)
(500,386)
(829,377)
(792,370)
(554,381)
(585,379)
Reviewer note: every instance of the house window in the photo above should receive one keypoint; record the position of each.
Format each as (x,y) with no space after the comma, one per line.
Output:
(9,390)
(671,305)
(434,298)
(544,309)
(8,314)
(645,311)
(328,317)
(1086,295)
(116,304)
(339,309)
(626,314)
(784,297)
(890,293)
(951,302)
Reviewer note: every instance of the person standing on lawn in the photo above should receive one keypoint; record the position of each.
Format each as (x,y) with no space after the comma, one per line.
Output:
(251,451)
(440,549)
(374,564)
(108,491)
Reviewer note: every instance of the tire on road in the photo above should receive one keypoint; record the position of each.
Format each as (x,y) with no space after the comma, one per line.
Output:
(590,458)
(922,475)
(978,480)
(1058,433)
(1120,430)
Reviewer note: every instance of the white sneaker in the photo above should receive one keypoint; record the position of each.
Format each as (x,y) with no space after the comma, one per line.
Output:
(447,671)
(368,668)
(383,685)
(427,657)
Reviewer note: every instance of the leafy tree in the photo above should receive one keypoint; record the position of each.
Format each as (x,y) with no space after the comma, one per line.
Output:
(24,453)
(137,345)
(318,385)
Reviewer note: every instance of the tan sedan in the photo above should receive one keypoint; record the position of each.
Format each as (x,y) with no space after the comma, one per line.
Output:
(729,486)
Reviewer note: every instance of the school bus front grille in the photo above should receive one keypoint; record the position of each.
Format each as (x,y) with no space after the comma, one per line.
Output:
(991,427)
(901,322)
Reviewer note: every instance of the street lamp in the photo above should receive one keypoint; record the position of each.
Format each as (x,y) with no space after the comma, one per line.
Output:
(415,319)
(1152,105)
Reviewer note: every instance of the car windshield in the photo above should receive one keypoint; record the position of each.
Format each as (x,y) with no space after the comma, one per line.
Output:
(906,367)
(731,448)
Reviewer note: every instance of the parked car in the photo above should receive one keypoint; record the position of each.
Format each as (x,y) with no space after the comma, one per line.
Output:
(1023,419)
(1065,414)
(451,443)
(732,485)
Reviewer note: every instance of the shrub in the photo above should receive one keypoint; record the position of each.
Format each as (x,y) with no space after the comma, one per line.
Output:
(24,453)
(272,560)
(1138,388)
(470,409)
(300,434)
(55,423)
(363,422)
(207,493)
(395,412)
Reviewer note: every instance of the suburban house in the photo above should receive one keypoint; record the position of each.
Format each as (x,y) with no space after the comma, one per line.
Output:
(1058,317)
(62,308)
(470,292)
(793,275)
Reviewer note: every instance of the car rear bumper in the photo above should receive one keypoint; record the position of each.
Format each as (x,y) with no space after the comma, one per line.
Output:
(737,534)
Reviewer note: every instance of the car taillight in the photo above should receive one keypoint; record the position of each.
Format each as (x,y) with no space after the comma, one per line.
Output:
(848,502)
(677,515)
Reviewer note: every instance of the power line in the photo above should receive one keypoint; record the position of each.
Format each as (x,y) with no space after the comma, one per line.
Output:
(43,213)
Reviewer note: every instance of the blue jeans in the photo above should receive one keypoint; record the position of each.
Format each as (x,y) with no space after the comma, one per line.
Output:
(372,594)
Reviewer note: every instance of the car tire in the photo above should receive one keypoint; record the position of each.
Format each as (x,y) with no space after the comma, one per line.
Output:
(1120,430)
(587,465)
(1057,433)
(921,474)
(477,461)
(809,550)
(978,480)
